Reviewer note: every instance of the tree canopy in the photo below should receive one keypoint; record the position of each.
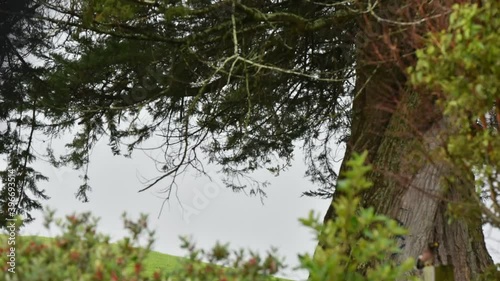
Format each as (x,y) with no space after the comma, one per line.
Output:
(238,82)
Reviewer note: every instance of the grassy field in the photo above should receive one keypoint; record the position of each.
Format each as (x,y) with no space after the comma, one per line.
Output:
(157,260)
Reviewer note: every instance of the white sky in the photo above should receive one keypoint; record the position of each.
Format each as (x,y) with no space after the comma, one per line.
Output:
(241,220)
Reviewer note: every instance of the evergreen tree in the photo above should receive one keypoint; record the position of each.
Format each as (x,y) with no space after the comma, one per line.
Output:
(23,38)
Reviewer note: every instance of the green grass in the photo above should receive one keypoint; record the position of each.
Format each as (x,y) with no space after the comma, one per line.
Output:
(157,260)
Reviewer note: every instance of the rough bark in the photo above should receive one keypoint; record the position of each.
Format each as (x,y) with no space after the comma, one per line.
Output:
(413,186)
(402,131)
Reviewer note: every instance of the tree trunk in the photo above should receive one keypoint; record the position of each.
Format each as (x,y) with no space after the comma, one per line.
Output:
(402,131)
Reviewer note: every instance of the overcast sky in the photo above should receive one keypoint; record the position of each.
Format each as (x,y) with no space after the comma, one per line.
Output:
(224,216)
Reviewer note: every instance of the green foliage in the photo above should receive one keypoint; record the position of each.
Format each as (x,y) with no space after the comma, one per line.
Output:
(153,262)
(492,273)
(22,38)
(224,264)
(461,66)
(238,82)
(462,61)
(81,253)
(109,11)
(355,246)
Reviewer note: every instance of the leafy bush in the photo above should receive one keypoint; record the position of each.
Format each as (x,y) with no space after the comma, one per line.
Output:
(460,65)
(355,246)
(358,243)
(80,253)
